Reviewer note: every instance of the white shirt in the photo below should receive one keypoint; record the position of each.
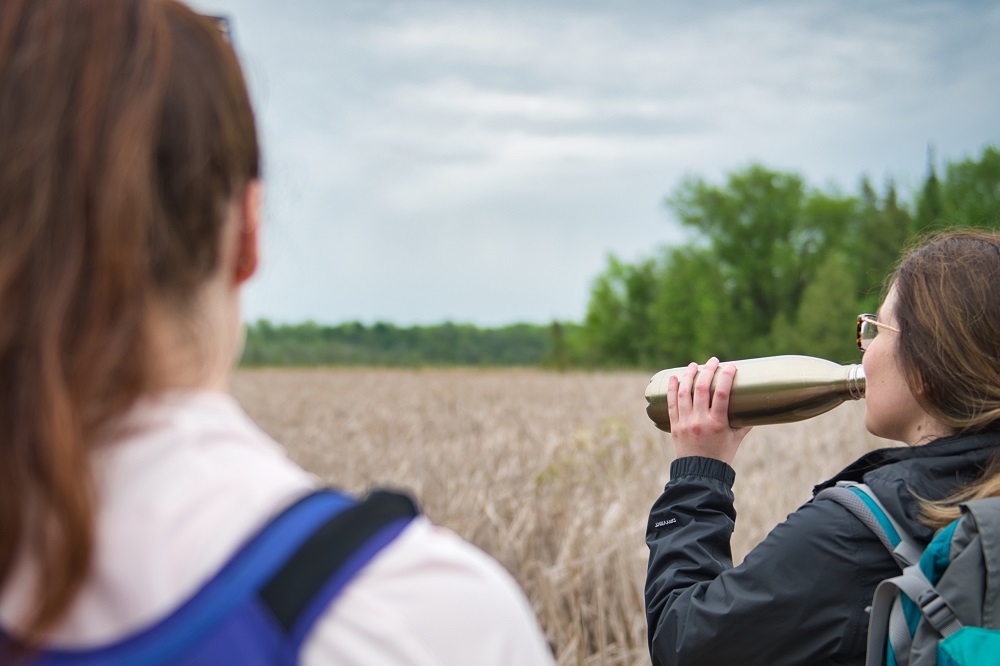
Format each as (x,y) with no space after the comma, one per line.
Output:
(185,479)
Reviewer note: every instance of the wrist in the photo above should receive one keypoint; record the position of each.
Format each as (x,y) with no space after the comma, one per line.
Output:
(695,465)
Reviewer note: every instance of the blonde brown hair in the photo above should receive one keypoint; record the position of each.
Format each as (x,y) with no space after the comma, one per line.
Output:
(948,312)
(125,129)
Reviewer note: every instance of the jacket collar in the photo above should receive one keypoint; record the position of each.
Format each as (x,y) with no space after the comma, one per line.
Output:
(980,445)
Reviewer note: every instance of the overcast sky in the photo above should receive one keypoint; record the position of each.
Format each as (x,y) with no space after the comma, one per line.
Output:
(477,161)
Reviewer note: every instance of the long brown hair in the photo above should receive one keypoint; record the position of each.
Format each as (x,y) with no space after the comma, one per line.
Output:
(125,129)
(948,311)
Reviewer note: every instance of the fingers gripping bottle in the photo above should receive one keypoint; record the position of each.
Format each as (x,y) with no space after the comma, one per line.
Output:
(772,389)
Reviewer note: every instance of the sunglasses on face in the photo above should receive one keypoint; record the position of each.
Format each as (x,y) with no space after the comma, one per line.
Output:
(868,326)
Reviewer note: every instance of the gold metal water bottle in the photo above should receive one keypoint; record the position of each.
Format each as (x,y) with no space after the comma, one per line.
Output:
(773,389)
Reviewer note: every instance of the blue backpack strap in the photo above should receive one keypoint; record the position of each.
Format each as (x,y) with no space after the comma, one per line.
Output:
(280,573)
(309,581)
(861,501)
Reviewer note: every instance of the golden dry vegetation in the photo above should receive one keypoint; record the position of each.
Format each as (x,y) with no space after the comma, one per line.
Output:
(553,474)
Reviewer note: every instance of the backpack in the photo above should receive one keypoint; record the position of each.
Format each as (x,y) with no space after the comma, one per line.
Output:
(945,607)
(260,606)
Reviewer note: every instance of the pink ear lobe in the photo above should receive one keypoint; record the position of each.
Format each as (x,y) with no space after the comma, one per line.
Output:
(247,250)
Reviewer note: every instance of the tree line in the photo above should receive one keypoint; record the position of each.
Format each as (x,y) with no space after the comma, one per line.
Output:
(384,344)
(770,265)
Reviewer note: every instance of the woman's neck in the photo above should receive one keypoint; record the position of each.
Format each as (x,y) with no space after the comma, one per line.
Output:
(196,345)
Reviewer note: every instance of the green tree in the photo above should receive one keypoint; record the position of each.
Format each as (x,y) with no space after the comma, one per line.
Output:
(767,235)
(558,356)
(971,191)
(824,325)
(747,224)
(877,235)
(930,212)
(619,321)
(693,319)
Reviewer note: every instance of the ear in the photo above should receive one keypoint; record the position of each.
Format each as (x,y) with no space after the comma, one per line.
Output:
(247,235)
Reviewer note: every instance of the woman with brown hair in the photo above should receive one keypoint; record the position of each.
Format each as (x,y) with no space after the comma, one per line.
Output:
(932,362)
(143,517)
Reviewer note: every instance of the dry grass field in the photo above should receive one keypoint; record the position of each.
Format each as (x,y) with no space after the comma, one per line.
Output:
(553,474)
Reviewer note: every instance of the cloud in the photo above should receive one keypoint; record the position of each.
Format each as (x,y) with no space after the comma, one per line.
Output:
(477,160)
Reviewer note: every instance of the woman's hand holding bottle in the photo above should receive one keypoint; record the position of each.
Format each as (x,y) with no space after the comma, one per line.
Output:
(699,419)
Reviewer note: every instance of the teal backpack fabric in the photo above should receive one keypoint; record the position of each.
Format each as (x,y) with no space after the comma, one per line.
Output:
(943,608)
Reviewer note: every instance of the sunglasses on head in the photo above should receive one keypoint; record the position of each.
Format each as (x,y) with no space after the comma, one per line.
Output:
(222,24)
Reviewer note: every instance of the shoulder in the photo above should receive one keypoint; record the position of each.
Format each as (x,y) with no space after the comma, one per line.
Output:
(826,564)
(823,540)
(823,525)
(182,481)
(429,598)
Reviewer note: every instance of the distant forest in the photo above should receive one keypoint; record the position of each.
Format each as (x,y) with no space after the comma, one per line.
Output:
(384,344)
(771,265)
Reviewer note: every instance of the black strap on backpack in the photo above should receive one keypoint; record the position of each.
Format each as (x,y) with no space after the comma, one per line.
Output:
(290,591)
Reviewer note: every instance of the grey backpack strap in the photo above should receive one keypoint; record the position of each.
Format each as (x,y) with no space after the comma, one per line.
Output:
(860,500)
(888,623)
(878,624)
(900,637)
(935,609)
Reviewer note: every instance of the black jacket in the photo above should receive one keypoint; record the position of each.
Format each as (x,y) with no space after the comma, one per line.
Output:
(800,596)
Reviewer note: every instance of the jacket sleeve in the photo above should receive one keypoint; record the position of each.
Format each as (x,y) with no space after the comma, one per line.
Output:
(799,597)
